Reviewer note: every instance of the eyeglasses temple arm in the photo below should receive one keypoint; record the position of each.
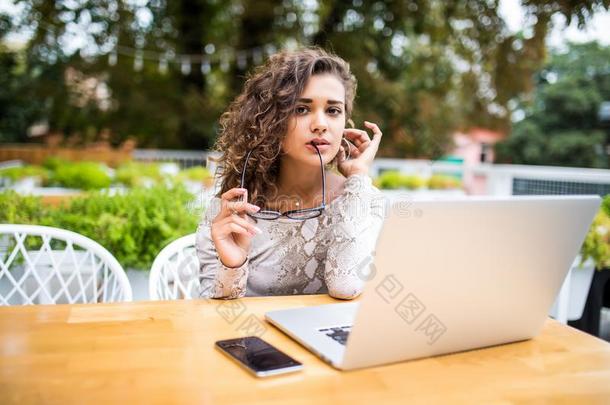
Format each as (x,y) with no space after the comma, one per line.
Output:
(323,176)
(243,173)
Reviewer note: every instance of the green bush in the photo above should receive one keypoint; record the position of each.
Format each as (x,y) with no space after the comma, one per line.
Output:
(443,182)
(17,173)
(597,242)
(388,180)
(82,175)
(393,180)
(133,174)
(19,209)
(52,163)
(134,226)
(413,182)
(605,207)
(194,174)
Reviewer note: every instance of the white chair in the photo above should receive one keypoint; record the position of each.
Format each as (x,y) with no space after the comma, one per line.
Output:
(45,265)
(570,301)
(174,273)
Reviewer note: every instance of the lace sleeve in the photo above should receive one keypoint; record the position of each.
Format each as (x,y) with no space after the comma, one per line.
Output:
(356,221)
(217,280)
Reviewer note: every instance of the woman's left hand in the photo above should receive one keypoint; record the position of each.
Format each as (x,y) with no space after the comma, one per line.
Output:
(362,150)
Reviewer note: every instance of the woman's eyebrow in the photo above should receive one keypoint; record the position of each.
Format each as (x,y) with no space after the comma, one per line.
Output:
(309,101)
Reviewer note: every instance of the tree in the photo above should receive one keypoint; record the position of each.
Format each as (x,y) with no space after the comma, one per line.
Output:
(425,69)
(17,111)
(429,68)
(562,126)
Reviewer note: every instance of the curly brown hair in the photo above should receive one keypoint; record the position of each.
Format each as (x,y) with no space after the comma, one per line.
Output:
(258,117)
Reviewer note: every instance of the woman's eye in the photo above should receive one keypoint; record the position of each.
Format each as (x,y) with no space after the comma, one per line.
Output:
(334,111)
(301,110)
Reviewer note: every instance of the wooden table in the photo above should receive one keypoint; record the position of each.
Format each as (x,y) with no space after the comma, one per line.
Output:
(162,352)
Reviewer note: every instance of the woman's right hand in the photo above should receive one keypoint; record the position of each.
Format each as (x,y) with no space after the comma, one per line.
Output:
(232,230)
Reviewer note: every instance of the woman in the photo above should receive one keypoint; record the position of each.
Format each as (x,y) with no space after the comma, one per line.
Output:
(283,224)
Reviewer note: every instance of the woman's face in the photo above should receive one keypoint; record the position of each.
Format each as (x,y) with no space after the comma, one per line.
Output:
(319,116)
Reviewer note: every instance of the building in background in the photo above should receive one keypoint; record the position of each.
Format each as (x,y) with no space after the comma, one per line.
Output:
(474,148)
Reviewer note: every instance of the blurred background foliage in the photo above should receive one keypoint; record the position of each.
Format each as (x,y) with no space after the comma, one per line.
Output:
(562,124)
(425,68)
(84,175)
(134,225)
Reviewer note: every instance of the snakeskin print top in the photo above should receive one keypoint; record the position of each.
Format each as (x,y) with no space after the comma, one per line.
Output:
(328,254)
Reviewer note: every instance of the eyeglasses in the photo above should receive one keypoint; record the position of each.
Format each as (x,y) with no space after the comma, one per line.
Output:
(301,214)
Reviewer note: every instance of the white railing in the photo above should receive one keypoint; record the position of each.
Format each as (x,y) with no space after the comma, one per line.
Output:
(498,179)
(484,178)
(10,163)
(184,158)
(423,168)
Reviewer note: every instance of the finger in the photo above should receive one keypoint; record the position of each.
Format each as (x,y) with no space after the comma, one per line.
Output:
(360,139)
(234,223)
(234,196)
(225,227)
(232,227)
(357,136)
(240,207)
(244,223)
(376,131)
(233,193)
(361,146)
(359,132)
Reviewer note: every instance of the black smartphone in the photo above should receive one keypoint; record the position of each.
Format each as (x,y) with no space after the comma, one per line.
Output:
(258,356)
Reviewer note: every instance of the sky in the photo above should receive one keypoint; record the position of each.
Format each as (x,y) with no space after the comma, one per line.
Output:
(598,27)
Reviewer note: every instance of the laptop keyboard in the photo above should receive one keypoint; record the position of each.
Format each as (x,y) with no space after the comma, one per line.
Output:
(337,333)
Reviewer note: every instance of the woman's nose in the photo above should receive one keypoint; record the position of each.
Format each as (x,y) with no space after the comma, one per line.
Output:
(318,122)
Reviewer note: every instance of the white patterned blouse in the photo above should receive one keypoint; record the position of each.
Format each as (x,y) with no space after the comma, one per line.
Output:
(328,254)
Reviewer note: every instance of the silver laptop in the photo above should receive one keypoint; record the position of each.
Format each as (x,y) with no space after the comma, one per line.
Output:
(450,276)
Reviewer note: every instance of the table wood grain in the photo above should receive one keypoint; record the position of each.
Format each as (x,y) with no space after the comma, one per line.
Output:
(163,352)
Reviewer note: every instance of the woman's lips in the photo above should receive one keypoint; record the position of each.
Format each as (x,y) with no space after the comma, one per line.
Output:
(322,147)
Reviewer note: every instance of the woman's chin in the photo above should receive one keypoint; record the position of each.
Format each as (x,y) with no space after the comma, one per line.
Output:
(327,157)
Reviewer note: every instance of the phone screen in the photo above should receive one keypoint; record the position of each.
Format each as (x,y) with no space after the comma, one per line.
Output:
(258,356)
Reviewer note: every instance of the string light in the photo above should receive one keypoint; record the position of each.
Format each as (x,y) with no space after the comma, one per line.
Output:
(210,56)
(138,61)
(242,60)
(205,67)
(270,49)
(163,64)
(224,62)
(112,58)
(185,66)
(209,49)
(257,56)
